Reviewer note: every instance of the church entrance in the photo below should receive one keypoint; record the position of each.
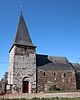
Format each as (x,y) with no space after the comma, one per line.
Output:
(25,86)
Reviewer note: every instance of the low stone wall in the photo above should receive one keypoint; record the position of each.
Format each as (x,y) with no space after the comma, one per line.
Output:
(43,95)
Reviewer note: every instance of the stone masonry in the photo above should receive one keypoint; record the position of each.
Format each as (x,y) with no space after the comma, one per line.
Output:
(23,68)
(11,64)
(63,80)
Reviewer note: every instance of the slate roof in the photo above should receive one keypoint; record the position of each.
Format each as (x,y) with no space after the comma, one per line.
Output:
(76,66)
(53,62)
(22,34)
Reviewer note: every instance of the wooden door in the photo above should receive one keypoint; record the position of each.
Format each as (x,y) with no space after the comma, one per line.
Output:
(25,87)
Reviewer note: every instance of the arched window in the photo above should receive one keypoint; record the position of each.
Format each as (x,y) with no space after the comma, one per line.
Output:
(25,49)
(64,74)
(44,74)
(54,74)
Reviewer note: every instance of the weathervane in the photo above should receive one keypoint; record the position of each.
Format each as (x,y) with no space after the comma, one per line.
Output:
(21,9)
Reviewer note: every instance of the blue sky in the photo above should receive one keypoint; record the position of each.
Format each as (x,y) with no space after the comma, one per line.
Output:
(54,27)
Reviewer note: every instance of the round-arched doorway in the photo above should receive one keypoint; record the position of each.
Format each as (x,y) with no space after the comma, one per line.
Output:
(26,85)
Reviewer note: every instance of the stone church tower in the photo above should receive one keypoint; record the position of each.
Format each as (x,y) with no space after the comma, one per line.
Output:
(22,63)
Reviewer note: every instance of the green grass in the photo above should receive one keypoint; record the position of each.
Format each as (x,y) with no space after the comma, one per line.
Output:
(60,91)
(45,99)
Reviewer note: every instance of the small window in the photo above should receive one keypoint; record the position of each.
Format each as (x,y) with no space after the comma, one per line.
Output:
(54,74)
(23,58)
(25,49)
(44,74)
(64,74)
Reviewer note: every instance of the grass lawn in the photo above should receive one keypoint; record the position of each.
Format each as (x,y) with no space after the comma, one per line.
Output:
(45,99)
(61,91)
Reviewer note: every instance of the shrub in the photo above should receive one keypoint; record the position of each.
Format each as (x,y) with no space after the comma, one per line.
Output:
(35,98)
(15,99)
(23,99)
(53,87)
(44,99)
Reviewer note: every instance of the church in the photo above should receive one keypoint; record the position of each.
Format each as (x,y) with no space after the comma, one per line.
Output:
(33,73)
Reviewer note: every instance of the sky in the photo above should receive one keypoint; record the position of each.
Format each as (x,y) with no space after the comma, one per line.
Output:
(54,27)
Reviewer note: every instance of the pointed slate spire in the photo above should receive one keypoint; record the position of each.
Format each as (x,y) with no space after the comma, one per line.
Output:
(22,34)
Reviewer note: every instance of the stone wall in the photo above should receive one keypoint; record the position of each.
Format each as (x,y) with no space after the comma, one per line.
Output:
(63,80)
(1,87)
(78,80)
(11,64)
(24,68)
